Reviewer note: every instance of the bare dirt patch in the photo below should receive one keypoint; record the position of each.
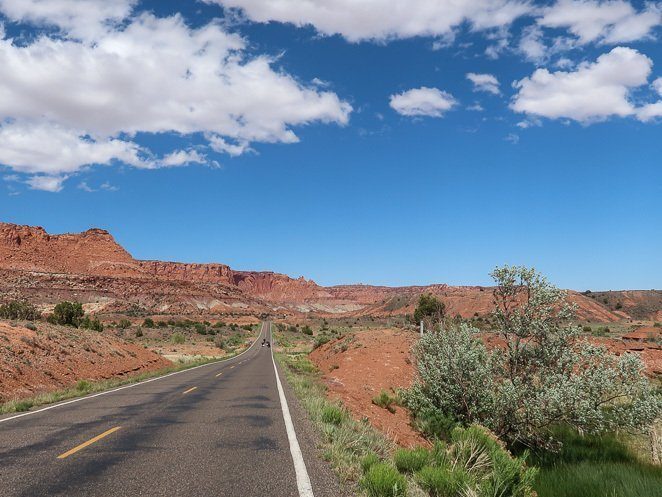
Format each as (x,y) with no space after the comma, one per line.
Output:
(358,368)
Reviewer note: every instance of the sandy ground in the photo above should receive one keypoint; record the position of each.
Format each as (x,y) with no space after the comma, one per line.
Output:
(55,357)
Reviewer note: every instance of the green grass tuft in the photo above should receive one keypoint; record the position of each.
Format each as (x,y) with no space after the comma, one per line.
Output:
(385,401)
(411,461)
(383,480)
(592,479)
(333,415)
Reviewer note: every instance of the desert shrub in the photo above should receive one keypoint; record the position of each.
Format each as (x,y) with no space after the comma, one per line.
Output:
(411,460)
(601,331)
(657,325)
(321,340)
(139,332)
(383,480)
(124,324)
(200,328)
(543,376)
(177,338)
(307,330)
(31,326)
(90,324)
(148,323)
(67,314)
(332,414)
(429,310)
(19,309)
(385,401)
(219,324)
(434,424)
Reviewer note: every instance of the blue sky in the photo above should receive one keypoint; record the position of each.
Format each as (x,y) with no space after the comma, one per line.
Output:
(340,147)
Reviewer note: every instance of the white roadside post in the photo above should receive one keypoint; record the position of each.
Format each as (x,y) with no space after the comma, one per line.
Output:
(421,328)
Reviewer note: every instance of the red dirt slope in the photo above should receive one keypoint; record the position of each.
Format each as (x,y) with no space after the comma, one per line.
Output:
(55,357)
(375,360)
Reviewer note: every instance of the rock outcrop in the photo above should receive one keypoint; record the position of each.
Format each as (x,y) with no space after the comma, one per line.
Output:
(91,266)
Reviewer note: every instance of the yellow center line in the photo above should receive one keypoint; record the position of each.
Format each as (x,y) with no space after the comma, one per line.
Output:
(89,442)
(231,367)
(219,374)
(189,390)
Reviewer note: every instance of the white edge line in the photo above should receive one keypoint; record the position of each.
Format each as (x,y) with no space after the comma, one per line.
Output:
(303,480)
(106,392)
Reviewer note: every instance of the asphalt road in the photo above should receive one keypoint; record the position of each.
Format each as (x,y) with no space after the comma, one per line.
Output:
(219,429)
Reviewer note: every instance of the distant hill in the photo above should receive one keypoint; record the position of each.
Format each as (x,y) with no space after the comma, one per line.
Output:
(92,267)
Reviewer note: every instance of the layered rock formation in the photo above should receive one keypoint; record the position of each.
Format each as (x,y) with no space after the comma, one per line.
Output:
(92,267)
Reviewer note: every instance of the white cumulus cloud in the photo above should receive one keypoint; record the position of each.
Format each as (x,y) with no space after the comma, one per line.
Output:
(484,82)
(68,103)
(79,18)
(611,21)
(593,92)
(422,102)
(358,20)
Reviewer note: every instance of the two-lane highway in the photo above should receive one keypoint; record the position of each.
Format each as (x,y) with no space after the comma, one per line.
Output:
(219,429)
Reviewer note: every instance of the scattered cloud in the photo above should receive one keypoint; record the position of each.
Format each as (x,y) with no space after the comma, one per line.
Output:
(182,158)
(108,187)
(593,92)
(512,138)
(85,187)
(531,44)
(611,21)
(484,82)
(422,101)
(69,103)
(475,107)
(81,19)
(46,183)
(382,20)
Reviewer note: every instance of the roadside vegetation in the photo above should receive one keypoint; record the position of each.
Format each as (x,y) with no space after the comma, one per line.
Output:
(569,405)
(472,460)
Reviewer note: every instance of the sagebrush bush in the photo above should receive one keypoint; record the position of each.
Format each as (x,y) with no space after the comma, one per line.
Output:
(177,338)
(90,324)
(383,480)
(543,375)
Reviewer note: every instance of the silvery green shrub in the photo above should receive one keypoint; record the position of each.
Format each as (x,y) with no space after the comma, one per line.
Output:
(540,374)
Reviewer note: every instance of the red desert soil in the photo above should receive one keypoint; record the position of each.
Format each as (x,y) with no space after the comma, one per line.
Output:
(375,360)
(54,357)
